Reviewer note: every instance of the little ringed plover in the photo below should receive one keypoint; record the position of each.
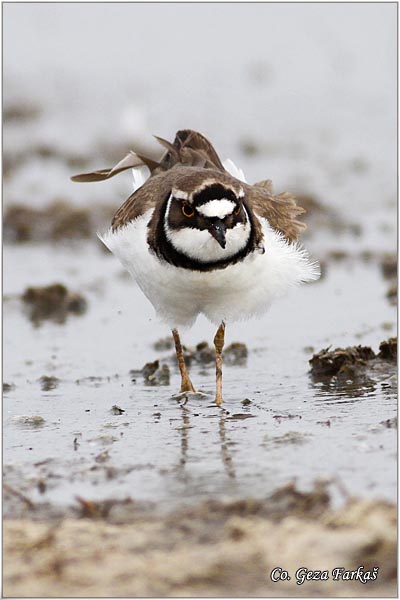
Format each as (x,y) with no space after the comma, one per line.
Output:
(198,239)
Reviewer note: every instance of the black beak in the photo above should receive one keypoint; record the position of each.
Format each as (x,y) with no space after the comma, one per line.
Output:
(217,230)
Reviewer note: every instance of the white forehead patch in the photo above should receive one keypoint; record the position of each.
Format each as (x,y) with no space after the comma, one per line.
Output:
(217,208)
(180,194)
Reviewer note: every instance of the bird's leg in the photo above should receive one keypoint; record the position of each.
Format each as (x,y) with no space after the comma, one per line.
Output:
(186,384)
(219,341)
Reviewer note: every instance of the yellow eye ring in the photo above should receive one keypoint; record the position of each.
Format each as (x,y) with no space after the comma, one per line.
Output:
(187,210)
(237,211)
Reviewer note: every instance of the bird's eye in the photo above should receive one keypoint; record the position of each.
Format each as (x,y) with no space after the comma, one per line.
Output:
(187,210)
(237,211)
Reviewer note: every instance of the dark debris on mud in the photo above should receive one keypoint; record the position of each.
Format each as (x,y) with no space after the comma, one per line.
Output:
(8,387)
(388,264)
(389,423)
(92,509)
(354,362)
(20,112)
(59,221)
(163,344)
(318,216)
(285,501)
(235,355)
(117,410)
(392,294)
(54,302)
(153,373)
(203,354)
(48,382)
(214,549)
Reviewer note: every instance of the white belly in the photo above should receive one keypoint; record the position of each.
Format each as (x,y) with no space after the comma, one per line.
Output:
(237,292)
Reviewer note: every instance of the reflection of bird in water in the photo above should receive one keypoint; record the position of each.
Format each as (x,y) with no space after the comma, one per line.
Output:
(226,456)
(184,431)
(199,240)
(225,453)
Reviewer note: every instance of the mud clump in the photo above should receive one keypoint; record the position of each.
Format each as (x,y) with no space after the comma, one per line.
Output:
(249,147)
(235,354)
(318,216)
(389,423)
(54,302)
(33,421)
(163,344)
(8,387)
(116,410)
(20,112)
(339,361)
(48,383)
(91,509)
(392,294)
(59,221)
(388,350)
(153,373)
(388,266)
(203,354)
(290,500)
(353,362)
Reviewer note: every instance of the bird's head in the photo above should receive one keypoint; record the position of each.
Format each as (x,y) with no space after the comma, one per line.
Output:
(208,224)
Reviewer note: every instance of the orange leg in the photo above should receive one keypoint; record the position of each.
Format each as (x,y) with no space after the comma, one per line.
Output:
(219,341)
(186,384)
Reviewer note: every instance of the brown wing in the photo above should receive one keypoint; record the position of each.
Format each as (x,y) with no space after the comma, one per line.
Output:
(132,159)
(280,211)
(190,148)
(150,195)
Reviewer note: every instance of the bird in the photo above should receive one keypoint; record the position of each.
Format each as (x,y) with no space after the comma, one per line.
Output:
(198,239)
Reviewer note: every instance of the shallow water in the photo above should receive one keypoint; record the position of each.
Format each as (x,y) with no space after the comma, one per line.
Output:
(163,449)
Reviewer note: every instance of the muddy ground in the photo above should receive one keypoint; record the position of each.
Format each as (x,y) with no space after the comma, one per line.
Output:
(113,484)
(212,549)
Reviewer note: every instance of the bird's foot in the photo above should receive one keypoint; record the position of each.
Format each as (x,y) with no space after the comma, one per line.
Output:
(187,385)
(190,396)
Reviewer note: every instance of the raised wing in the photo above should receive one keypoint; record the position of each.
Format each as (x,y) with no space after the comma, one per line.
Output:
(131,160)
(192,149)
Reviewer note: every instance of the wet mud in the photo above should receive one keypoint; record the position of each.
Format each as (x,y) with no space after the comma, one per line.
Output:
(98,443)
(210,549)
